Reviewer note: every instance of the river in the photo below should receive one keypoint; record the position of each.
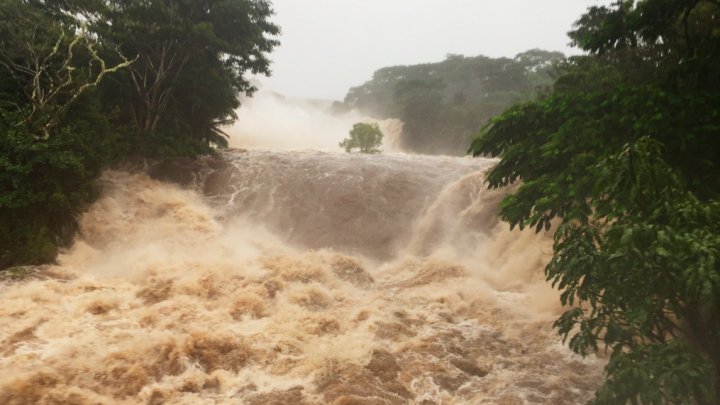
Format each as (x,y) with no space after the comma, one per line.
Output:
(297,277)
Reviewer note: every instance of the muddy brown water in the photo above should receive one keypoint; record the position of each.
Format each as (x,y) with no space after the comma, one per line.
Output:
(293,278)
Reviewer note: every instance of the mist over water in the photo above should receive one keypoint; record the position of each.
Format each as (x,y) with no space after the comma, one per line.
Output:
(293,277)
(272,121)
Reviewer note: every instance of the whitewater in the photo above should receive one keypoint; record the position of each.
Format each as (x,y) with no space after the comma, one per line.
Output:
(292,277)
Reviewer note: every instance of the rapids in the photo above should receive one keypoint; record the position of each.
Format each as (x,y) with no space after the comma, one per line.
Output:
(293,278)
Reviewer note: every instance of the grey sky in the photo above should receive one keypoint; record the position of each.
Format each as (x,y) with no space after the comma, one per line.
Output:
(330,45)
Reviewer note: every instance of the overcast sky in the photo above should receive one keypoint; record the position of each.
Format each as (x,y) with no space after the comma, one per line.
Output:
(329,46)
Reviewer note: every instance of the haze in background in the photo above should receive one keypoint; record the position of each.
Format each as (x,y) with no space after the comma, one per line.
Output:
(271,121)
(330,45)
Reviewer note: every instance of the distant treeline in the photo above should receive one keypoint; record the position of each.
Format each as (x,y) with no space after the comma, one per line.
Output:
(444,104)
(84,83)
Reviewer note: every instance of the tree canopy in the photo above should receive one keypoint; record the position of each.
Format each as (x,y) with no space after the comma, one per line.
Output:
(622,159)
(192,58)
(442,104)
(84,83)
(365,138)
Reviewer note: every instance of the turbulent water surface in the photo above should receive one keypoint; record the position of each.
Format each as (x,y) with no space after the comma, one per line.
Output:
(296,278)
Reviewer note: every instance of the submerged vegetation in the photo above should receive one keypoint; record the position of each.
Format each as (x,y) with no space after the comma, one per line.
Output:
(366,138)
(85,83)
(622,158)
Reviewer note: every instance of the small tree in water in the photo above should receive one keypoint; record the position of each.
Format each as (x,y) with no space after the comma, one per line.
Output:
(367,138)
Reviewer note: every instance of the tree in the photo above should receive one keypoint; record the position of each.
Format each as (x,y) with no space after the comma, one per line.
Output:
(443,104)
(622,159)
(54,61)
(366,138)
(54,139)
(71,102)
(193,57)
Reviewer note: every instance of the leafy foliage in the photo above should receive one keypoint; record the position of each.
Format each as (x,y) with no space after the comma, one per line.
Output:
(45,183)
(443,104)
(192,57)
(623,157)
(366,138)
(84,83)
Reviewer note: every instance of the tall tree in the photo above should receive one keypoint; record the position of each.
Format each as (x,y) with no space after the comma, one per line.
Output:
(51,58)
(86,82)
(53,137)
(623,158)
(193,57)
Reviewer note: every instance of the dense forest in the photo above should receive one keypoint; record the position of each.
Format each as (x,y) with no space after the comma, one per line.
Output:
(443,104)
(84,84)
(622,160)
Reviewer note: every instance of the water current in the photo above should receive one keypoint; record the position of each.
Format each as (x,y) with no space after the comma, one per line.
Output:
(293,277)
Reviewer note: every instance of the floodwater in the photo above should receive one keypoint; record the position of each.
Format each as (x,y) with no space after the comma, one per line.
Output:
(293,277)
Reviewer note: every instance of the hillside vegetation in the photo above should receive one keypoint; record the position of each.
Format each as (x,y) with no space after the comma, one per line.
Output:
(443,104)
